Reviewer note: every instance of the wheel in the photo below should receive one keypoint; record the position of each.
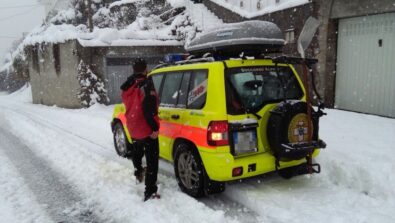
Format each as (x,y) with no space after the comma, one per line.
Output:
(120,140)
(189,170)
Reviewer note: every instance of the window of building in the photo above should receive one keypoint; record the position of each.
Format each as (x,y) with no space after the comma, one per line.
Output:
(290,36)
(56,57)
(277,1)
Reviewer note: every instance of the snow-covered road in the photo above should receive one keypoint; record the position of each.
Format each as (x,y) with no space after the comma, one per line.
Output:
(50,189)
(356,184)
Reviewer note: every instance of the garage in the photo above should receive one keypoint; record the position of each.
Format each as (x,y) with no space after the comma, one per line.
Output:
(117,71)
(365,77)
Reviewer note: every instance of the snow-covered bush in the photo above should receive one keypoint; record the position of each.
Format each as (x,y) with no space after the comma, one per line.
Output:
(67,16)
(92,89)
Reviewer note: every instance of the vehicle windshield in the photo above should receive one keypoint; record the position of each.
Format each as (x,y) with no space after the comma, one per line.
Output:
(248,89)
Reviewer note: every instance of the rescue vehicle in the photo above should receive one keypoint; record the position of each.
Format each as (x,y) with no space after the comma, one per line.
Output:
(231,113)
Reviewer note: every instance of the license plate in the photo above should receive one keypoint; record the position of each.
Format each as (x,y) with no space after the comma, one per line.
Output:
(245,142)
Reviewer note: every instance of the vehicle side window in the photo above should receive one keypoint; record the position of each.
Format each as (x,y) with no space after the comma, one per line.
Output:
(198,90)
(183,92)
(170,91)
(157,79)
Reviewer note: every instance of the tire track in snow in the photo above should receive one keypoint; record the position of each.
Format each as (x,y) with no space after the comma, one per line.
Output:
(229,204)
(53,192)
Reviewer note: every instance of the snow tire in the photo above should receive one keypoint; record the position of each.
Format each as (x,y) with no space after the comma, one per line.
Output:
(189,170)
(121,143)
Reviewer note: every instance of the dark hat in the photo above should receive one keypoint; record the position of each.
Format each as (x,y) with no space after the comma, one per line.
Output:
(139,65)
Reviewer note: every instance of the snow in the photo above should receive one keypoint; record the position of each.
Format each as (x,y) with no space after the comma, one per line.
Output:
(17,202)
(356,184)
(123,2)
(250,9)
(86,156)
(202,16)
(64,16)
(101,37)
(176,3)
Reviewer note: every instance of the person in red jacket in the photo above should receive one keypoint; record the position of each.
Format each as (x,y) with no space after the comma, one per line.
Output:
(141,102)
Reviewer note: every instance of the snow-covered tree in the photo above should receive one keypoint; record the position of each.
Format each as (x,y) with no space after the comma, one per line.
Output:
(92,89)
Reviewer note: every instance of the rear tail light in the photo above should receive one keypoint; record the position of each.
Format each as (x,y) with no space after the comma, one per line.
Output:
(217,133)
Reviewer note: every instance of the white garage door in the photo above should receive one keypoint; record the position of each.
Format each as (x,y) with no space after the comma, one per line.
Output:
(365,79)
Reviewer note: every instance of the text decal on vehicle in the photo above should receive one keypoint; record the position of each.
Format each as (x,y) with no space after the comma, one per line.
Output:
(197,92)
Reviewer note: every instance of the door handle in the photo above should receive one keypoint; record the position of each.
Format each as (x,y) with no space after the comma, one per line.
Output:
(175,116)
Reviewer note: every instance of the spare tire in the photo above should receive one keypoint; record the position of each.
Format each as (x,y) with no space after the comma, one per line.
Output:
(288,124)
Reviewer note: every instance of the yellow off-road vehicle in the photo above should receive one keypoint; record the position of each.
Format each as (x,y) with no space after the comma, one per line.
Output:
(223,119)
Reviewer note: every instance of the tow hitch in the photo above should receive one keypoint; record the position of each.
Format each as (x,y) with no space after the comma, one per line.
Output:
(302,169)
(313,168)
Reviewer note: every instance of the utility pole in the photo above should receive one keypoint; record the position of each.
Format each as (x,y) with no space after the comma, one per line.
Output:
(88,4)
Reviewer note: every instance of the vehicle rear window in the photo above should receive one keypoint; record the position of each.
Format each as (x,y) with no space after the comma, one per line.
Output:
(251,88)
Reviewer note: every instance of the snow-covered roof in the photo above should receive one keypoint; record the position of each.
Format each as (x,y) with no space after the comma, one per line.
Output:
(101,37)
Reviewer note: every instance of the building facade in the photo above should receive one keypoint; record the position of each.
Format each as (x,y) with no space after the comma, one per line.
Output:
(53,69)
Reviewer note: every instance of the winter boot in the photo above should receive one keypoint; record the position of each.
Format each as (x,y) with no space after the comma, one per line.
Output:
(152,196)
(140,176)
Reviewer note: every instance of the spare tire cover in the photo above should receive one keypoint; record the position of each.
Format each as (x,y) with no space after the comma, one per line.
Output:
(288,123)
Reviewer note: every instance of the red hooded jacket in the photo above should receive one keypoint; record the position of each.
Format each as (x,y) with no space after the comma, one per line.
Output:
(141,102)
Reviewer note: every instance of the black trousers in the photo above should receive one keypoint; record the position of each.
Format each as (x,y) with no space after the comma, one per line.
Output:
(150,148)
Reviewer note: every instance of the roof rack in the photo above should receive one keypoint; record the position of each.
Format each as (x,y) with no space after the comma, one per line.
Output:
(189,60)
(284,59)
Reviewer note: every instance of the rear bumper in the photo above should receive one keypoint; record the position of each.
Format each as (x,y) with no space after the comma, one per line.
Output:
(219,166)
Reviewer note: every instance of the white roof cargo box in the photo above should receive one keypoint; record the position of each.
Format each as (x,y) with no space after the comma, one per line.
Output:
(232,39)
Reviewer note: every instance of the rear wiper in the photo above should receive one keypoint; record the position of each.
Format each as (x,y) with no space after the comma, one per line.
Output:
(254,113)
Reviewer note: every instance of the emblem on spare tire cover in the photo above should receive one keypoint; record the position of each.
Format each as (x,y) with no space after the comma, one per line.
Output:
(298,128)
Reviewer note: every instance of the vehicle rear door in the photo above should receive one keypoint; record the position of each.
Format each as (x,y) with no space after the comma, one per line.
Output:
(252,92)
(172,109)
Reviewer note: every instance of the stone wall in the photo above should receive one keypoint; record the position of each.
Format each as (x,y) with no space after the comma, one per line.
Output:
(52,87)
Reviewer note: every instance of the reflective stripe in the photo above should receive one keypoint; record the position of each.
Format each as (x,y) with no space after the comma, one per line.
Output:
(197,135)
(122,117)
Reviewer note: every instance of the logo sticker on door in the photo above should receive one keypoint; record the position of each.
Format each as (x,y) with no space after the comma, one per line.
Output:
(197,92)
